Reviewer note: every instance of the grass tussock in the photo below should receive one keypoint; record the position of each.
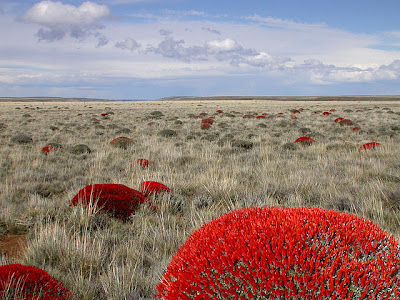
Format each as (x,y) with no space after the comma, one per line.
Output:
(210,172)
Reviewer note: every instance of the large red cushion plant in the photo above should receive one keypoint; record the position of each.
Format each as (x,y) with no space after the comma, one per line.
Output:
(117,199)
(284,253)
(31,283)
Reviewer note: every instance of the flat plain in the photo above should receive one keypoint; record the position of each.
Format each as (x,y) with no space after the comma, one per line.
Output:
(239,161)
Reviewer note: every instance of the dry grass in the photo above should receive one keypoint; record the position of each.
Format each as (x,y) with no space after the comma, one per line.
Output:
(98,257)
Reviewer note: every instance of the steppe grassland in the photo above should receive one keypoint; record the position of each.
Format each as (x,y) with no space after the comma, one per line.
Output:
(98,257)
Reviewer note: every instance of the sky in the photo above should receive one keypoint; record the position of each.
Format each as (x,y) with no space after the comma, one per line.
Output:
(148,49)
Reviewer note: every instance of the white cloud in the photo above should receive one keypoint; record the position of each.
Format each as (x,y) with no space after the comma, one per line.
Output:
(226,45)
(128,44)
(60,19)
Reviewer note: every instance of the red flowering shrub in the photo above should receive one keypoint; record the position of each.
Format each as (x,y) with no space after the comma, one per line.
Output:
(261,117)
(219,111)
(117,199)
(296,111)
(144,163)
(368,146)
(284,253)
(121,142)
(346,122)
(47,149)
(152,187)
(150,123)
(32,282)
(205,125)
(338,120)
(325,113)
(305,140)
(355,128)
(207,121)
(293,118)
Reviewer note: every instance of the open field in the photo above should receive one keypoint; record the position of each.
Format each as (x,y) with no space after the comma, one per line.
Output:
(238,162)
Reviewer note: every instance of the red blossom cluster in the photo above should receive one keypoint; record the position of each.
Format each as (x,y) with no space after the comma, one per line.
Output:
(284,253)
(305,140)
(325,113)
(369,146)
(154,188)
(47,149)
(32,282)
(117,199)
(144,163)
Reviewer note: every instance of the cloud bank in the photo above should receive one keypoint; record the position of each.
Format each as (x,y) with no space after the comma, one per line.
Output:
(58,20)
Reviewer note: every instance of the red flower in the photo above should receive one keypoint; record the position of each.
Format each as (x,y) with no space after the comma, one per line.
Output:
(371,145)
(33,282)
(338,120)
(47,149)
(284,253)
(346,122)
(325,113)
(144,163)
(152,187)
(205,125)
(305,140)
(117,199)
(207,121)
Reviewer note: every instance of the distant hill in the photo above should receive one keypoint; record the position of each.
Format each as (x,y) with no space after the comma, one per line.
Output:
(48,99)
(288,98)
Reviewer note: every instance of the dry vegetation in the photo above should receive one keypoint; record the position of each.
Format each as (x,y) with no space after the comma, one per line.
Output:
(209,171)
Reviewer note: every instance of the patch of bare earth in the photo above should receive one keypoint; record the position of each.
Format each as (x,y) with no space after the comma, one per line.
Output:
(13,246)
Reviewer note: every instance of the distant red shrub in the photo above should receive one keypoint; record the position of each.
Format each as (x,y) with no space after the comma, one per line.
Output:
(296,111)
(392,136)
(205,125)
(117,199)
(338,120)
(33,282)
(332,110)
(79,114)
(261,117)
(301,109)
(248,117)
(3,125)
(150,123)
(144,163)
(47,149)
(152,187)
(325,113)
(305,140)
(219,111)
(207,121)
(284,253)
(371,145)
(346,122)
(355,128)
(293,118)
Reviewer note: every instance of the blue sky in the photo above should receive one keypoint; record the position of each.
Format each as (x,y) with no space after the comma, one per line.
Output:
(147,49)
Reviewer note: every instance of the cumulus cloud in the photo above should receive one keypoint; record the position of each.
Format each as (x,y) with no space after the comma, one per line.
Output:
(128,44)
(58,20)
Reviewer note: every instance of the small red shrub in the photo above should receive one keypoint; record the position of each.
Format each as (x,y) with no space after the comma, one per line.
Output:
(33,282)
(144,163)
(325,113)
(205,125)
(369,146)
(122,142)
(332,110)
(47,149)
(346,122)
(219,111)
(152,187)
(117,199)
(296,111)
(293,118)
(150,123)
(305,140)
(207,121)
(284,253)
(355,128)
(338,120)
(261,117)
